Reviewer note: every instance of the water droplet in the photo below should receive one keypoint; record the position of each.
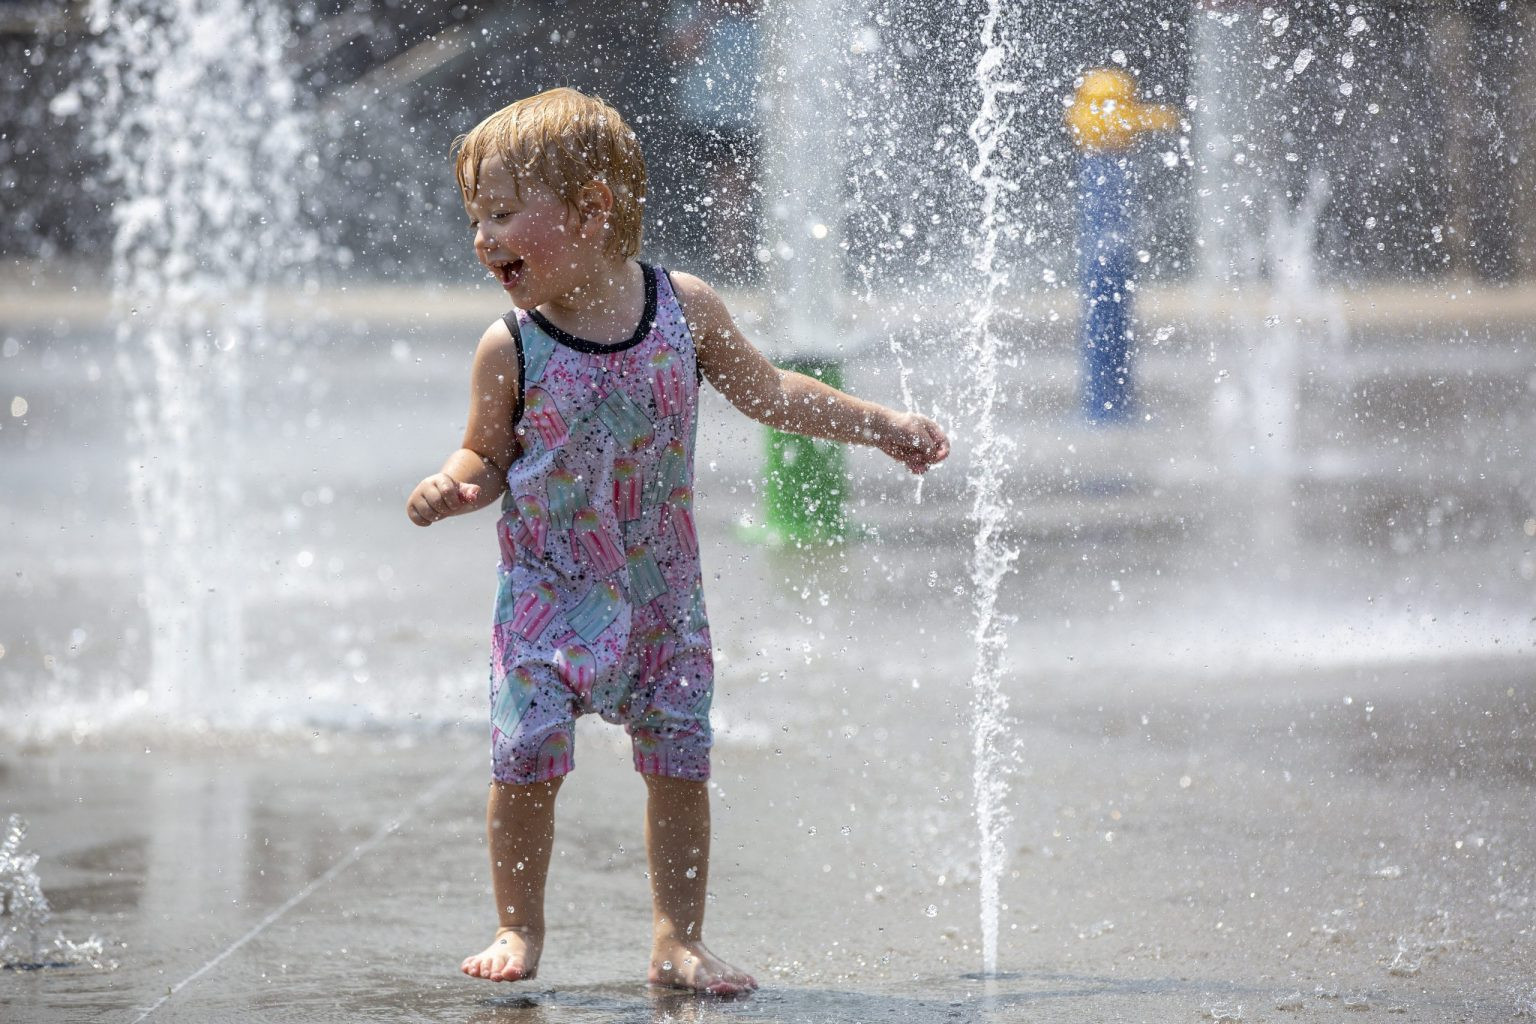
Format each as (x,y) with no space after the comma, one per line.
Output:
(1097,929)
(691,873)
(930,911)
(18,406)
(1222,1013)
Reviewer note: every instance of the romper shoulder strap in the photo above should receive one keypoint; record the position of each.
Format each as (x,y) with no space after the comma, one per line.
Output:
(513,319)
(672,298)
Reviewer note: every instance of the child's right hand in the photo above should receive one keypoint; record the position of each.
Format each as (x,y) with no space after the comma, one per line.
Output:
(438,497)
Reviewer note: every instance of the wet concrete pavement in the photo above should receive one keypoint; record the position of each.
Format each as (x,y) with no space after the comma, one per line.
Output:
(1298,847)
(1274,756)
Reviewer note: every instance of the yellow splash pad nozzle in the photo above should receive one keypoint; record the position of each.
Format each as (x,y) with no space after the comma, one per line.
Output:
(1105,114)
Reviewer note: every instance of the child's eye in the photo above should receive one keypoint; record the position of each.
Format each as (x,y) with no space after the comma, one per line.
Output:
(501,215)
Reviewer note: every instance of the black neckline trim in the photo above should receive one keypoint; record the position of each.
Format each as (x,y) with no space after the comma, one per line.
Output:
(642,330)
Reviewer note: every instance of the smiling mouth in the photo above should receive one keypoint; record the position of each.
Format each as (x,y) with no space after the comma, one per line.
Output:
(509,273)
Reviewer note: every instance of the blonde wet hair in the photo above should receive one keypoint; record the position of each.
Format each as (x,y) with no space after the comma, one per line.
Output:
(566,140)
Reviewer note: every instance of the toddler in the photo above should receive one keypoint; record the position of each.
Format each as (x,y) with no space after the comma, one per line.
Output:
(582,418)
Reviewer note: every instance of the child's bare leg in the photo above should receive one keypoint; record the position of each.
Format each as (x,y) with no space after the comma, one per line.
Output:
(677,844)
(520,827)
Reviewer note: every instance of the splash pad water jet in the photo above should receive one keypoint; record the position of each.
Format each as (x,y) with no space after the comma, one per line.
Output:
(194,115)
(991,559)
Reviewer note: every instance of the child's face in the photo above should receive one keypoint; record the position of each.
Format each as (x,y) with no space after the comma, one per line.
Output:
(528,238)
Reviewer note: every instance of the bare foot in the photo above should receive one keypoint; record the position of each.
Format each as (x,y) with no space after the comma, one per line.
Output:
(689,965)
(512,956)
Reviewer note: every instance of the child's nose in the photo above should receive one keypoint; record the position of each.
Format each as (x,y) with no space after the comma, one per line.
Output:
(485,240)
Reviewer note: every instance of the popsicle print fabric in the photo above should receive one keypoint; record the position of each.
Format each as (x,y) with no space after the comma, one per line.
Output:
(600,594)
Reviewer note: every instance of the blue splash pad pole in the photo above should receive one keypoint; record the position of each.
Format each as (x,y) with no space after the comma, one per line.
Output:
(1104,197)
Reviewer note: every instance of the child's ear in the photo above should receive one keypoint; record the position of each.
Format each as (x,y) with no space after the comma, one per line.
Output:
(594,204)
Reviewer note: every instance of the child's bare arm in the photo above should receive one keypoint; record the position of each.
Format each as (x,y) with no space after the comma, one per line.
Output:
(792,401)
(475,475)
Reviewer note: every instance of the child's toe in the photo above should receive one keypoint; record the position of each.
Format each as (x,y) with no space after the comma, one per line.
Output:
(731,987)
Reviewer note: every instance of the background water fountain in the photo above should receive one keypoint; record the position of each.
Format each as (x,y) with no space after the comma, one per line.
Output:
(1261,221)
(194,111)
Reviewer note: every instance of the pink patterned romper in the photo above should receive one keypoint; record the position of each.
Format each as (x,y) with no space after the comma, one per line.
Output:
(600,603)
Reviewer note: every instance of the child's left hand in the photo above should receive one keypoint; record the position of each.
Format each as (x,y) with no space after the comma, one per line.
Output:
(915,440)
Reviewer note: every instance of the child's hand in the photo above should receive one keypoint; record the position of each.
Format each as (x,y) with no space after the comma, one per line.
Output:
(438,497)
(914,440)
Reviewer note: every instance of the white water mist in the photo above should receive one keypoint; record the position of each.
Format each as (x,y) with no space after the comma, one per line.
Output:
(991,558)
(24,912)
(194,115)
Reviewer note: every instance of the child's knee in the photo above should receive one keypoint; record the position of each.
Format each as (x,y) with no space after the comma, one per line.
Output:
(661,784)
(524,794)
(526,790)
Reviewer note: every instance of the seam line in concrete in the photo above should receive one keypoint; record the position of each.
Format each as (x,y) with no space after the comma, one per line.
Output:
(357,854)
